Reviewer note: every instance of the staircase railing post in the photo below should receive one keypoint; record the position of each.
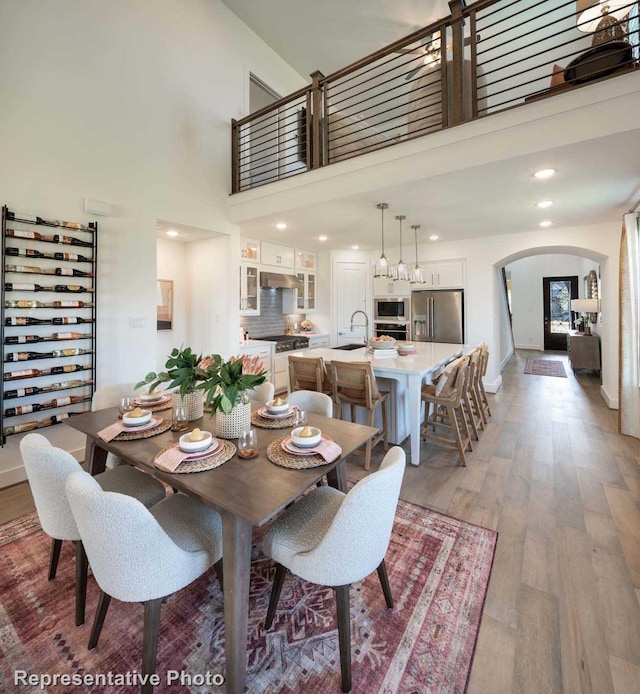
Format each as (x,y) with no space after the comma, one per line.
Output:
(457,101)
(235,156)
(316,120)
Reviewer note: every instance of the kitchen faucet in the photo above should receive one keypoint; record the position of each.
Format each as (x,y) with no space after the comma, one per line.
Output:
(359,325)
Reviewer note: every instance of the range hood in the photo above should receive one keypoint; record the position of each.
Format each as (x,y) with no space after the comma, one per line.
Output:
(280,281)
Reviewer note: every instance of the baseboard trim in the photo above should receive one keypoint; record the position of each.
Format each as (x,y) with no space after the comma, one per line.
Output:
(536,348)
(612,403)
(503,363)
(494,386)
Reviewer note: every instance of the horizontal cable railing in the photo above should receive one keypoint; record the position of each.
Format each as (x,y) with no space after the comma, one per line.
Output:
(483,59)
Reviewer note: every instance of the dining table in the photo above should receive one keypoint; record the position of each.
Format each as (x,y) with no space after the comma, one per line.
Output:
(246,493)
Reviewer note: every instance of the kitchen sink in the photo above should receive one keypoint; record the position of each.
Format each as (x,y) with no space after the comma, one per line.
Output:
(348,348)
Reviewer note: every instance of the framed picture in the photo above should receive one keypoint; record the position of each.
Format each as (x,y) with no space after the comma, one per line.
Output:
(164,292)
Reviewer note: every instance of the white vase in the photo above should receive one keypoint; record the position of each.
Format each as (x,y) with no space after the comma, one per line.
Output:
(192,402)
(229,426)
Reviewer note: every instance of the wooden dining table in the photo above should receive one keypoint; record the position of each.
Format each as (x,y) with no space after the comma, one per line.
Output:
(246,493)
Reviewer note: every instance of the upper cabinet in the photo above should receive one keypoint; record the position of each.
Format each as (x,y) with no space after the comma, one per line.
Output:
(249,289)
(443,275)
(277,255)
(383,286)
(305,260)
(249,250)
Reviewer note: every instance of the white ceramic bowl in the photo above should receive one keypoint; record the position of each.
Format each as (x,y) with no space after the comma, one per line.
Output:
(130,421)
(306,441)
(406,347)
(150,397)
(382,344)
(276,409)
(195,446)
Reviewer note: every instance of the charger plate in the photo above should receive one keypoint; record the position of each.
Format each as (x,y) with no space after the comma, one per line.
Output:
(160,406)
(227,452)
(276,455)
(263,423)
(164,425)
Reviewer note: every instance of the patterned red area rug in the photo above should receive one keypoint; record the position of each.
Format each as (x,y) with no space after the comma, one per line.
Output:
(545,367)
(438,567)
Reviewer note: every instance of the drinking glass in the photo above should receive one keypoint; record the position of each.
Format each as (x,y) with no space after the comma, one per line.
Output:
(299,417)
(126,405)
(179,421)
(248,443)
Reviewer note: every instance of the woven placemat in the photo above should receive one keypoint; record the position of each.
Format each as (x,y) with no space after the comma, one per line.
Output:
(208,463)
(265,423)
(165,425)
(296,462)
(158,407)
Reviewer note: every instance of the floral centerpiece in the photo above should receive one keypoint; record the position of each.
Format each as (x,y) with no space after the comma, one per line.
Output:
(182,369)
(306,326)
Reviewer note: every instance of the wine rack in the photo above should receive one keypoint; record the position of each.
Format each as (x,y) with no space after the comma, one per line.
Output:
(48,292)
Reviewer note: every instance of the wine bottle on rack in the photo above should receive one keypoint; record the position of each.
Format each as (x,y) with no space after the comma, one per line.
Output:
(72,225)
(31,235)
(23,409)
(49,388)
(72,241)
(71,336)
(33,253)
(71,272)
(32,269)
(34,373)
(55,354)
(58,288)
(24,217)
(70,320)
(27,320)
(72,288)
(22,339)
(37,407)
(30,426)
(29,303)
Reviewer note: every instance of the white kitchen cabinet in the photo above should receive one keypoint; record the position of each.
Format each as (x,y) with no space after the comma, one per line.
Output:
(281,372)
(301,300)
(383,286)
(443,275)
(265,351)
(249,289)
(249,250)
(305,260)
(316,341)
(277,255)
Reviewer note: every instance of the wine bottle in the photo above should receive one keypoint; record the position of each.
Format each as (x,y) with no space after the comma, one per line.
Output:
(71,304)
(69,320)
(25,356)
(33,253)
(70,352)
(50,387)
(72,225)
(71,336)
(68,400)
(34,373)
(28,303)
(71,241)
(30,426)
(25,287)
(32,235)
(71,272)
(24,217)
(22,339)
(55,354)
(27,268)
(23,409)
(27,320)
(78,288)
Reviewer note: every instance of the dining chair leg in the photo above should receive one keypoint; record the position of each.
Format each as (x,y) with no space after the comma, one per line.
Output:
(101,612)
(384,425)
(384,582)
(150,641)
(456,432)
(468,410)
(218,567)
(53,560)
(465,428)
(344,634)
(82,568)
(278,581)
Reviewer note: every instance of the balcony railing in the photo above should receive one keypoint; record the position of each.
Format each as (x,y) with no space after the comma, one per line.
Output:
(491,56)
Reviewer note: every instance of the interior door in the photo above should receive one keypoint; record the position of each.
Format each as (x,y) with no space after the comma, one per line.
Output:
(557,294)
(351,295)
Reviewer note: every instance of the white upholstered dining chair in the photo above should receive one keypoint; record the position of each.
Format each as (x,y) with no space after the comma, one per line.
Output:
(336,539)
(312,401)
(110,396)
(262,393)
(142,555)
(47,470)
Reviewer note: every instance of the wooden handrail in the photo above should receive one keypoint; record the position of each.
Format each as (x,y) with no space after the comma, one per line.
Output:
(272,107)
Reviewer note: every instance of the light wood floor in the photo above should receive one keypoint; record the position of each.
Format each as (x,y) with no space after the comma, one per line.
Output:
(562,488)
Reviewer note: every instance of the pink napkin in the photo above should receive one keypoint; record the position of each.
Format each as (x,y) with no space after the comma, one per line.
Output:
(327,448)
(118,427)
(171,459)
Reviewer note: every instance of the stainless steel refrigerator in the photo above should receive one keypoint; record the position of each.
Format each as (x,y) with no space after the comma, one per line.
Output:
(437,316)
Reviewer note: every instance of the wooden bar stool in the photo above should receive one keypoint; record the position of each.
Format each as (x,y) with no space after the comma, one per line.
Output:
(355,385)
(447,413)
(472,391)
(471,410)
(309,373)
(484,363)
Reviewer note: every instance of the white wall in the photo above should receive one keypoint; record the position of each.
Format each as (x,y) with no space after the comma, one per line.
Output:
(130,102)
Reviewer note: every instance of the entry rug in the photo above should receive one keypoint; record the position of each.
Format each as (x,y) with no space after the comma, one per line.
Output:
(438,567)
(545,367)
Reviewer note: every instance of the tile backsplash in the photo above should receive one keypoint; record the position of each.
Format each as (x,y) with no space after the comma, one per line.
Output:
(271,320)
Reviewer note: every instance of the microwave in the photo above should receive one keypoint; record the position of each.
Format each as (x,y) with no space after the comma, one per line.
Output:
(391,309)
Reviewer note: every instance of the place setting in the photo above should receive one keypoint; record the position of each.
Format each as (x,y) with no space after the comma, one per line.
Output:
(134,423)
(305,447)
(156,401)
(275,414)
(195,451)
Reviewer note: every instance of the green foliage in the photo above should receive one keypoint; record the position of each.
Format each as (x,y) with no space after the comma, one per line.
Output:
(226,382)
(182,370)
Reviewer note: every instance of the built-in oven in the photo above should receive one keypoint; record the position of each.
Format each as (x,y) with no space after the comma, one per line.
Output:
(391,309)
(399,330)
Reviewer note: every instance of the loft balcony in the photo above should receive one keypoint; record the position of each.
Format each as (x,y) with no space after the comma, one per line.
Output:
(488,58)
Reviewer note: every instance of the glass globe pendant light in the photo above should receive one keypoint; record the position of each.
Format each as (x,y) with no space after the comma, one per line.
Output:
(402,269)
(417,276)
(382,264)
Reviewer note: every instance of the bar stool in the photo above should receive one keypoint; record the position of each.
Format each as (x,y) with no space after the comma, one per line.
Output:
(355,385)
(484,363)
(309,373)
(446,398)
(471,398)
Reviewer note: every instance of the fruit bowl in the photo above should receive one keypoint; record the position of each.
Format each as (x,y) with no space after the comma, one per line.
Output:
(275,407)
(306,441)
(133,419)
(380,343)
(189,446)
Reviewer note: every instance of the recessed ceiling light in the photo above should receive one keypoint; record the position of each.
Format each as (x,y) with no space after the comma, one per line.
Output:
(544,173)
(434,237)
(355,248)
(546,223)
(281,225)
(544,203)
(172,232)
(322,238)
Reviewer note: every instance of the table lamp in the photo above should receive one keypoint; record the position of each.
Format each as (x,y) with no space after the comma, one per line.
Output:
(603,19)
(584,306)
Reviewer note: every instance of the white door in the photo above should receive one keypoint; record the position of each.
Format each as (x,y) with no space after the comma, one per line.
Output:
(352,281)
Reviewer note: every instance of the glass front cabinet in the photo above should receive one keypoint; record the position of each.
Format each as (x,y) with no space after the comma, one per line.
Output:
(249,289)
(306,299)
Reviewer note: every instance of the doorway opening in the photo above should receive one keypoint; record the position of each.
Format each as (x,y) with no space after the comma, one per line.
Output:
(557,294)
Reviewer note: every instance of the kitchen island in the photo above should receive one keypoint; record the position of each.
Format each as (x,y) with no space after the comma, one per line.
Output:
(403,377)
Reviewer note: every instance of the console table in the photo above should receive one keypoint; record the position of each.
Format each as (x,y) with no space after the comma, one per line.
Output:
(583,351)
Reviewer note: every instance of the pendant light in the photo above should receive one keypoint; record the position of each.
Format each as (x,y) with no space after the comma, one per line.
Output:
(382,264)
(402,269)
(417,276)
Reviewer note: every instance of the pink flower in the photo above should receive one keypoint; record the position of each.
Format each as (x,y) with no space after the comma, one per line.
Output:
(206,362)
(251,365)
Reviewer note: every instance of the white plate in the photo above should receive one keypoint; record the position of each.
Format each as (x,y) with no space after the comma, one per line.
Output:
(212,450)
(153,422)
(262,412)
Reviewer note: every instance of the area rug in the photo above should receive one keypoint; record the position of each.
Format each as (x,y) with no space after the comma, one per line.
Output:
(438,568)
(545,367)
